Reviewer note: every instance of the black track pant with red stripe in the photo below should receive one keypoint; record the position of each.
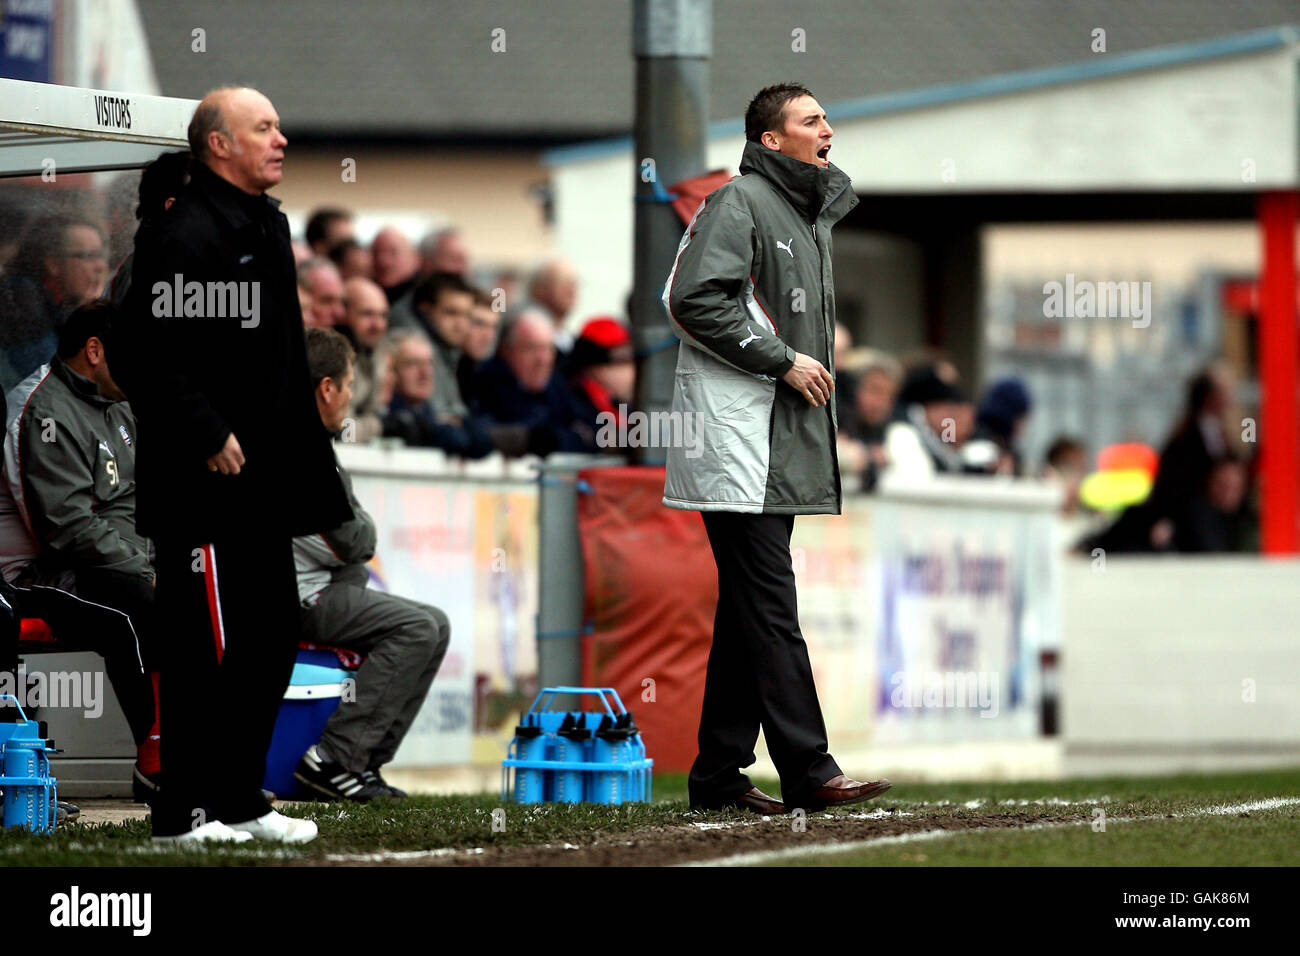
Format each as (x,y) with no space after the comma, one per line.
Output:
(229,612)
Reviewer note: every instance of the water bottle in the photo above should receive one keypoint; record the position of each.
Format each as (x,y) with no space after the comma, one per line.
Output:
(570,748)
(28,800)
(530,744)
(612,747)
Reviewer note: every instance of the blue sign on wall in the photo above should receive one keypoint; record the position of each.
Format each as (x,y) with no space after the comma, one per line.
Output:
(27,40)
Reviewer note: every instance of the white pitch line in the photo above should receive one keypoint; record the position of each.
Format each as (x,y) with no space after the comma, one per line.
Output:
(1040,802)
(860,815)
(743,859)
(1272,803)
(767,856)
(381,856)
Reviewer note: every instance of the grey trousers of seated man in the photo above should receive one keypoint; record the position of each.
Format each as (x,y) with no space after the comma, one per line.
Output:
(404,642)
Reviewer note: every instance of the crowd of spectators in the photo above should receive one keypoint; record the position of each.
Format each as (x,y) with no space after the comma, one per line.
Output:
(450,358)
(476,361)
(907,421)
(1201,495)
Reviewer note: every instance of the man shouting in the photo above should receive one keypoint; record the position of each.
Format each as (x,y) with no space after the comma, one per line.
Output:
(752,299)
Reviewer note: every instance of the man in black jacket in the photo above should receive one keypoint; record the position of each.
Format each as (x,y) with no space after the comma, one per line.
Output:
(233,462)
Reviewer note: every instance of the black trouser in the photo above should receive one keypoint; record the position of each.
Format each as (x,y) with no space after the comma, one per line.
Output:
(759,671)
(111,614)
(10,623)
(230,609)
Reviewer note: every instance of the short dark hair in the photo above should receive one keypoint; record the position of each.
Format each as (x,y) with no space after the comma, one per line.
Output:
(430,289)
(92,320)
(767,109)
(1059,449)
(161,180)
(329,355)
(338,252)
(319,222)
(1199,389)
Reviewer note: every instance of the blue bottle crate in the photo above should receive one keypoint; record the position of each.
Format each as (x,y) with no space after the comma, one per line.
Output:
(30,792)
(597,757)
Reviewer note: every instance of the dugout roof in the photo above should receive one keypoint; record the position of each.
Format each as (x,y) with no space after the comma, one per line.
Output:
(84,130)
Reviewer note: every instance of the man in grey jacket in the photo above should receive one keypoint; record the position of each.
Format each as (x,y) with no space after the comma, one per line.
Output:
(68,539)
(404,641)
(752,298)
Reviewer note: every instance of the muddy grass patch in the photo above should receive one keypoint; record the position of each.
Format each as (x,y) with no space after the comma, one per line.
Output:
(706,836)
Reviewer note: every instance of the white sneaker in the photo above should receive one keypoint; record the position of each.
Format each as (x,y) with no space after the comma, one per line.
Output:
(278,828)
(214,831)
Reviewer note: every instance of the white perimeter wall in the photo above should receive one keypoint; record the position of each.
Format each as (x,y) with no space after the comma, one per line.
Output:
(1165,652)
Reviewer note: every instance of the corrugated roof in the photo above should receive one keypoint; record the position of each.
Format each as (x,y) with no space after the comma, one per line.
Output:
(426,69)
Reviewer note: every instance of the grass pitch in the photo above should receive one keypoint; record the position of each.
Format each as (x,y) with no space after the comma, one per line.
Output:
(1203,820)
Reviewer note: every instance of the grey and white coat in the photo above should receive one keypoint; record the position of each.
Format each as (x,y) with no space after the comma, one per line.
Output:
(751,286)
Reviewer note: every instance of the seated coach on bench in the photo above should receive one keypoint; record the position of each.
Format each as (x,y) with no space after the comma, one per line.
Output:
(404,641)
(68,541)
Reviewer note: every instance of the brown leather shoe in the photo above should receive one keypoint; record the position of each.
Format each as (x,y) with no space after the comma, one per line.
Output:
(759,802)
(842,790)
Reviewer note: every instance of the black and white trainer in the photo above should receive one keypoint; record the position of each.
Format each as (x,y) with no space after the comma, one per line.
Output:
(332,781)
(372,776)
(65,813)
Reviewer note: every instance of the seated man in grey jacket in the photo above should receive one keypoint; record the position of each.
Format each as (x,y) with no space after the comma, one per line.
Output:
(404,641)
(68,541)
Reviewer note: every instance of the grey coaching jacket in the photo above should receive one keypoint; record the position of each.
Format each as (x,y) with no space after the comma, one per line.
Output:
(338,555)
(70,467)
(752,285)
